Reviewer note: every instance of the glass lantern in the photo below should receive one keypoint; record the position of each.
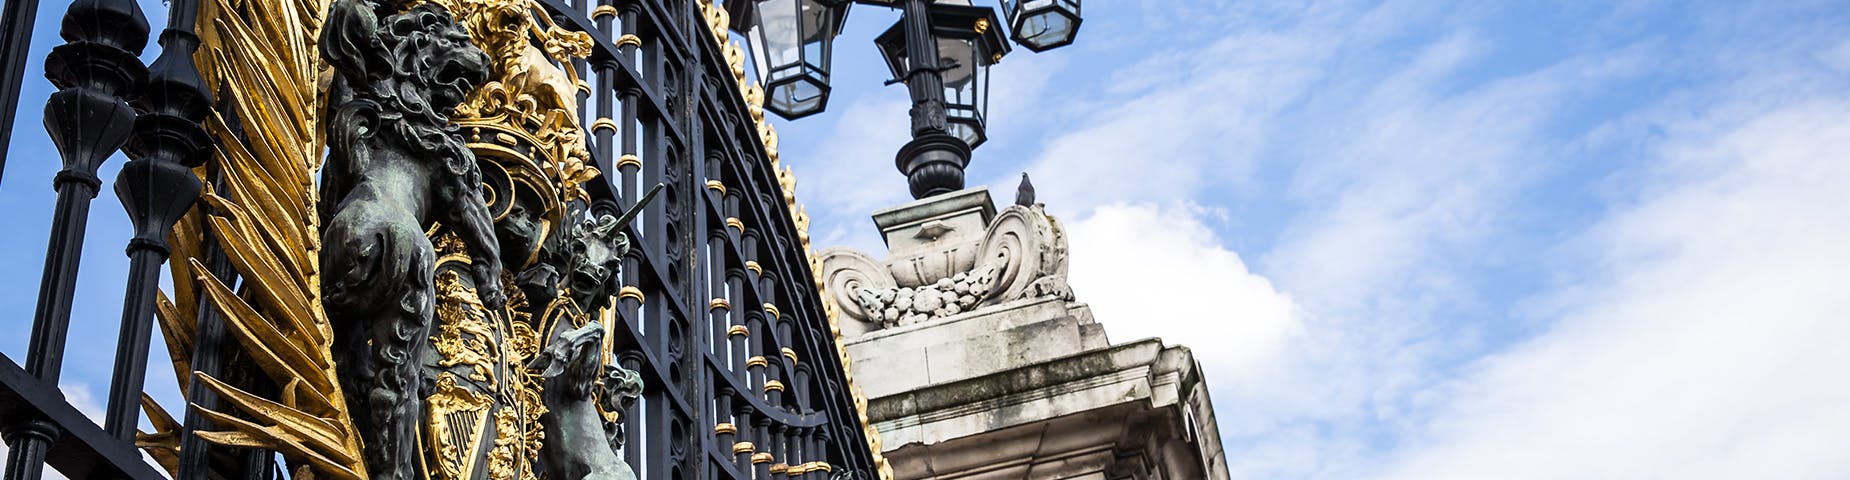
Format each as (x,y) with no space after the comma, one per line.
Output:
(1043,25)
(969,40)
(791,42)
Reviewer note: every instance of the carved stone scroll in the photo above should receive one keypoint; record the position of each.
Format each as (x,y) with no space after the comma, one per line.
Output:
(1021,254)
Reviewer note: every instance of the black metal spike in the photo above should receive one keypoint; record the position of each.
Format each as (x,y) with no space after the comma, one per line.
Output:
(157,186)
(88,121)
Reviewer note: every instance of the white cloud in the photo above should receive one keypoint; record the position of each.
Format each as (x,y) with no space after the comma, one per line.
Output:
(1711,343)
(1183,285)
(1393,174)
(85,401)
(1401,150)
(850,178)
(1166,112)
(1016,89)
(1405,177)
(1419,172)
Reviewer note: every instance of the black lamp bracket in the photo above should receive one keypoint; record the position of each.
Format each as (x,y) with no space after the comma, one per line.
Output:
(941,68)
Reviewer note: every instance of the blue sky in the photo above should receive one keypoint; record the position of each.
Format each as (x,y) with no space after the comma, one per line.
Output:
(26,204)
(1421,239)
(1406,239)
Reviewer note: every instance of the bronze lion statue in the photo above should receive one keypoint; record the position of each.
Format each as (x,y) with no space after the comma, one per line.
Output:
(396,169)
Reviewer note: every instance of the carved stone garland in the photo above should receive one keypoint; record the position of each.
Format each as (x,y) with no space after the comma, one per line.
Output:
(1021,255)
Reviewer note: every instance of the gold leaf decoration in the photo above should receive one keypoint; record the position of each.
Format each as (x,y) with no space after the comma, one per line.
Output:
(259,59)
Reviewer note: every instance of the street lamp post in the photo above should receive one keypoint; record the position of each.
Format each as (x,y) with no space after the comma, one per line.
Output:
(941,50)
(966,42)
(943,56)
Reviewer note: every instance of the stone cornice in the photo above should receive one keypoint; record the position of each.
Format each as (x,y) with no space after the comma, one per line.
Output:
(1143,372)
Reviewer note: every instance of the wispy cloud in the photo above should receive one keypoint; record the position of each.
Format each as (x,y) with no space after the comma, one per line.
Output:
(1387,170)
(842,182)
(1174,256)
(1166,110)
(1490,241)
(1707,343)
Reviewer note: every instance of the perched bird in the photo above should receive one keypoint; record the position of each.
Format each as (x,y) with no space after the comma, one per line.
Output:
(1024,195)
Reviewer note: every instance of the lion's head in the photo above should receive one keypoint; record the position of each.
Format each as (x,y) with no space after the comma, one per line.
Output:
(433,59)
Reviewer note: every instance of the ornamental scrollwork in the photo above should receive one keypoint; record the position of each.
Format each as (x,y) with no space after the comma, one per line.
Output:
(527,94)
(461,281)
(403,204)
(1021,255)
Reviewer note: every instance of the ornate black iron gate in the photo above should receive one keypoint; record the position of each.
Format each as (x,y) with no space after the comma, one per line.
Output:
(720,313)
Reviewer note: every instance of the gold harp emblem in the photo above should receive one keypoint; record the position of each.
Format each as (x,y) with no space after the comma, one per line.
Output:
(458,427)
